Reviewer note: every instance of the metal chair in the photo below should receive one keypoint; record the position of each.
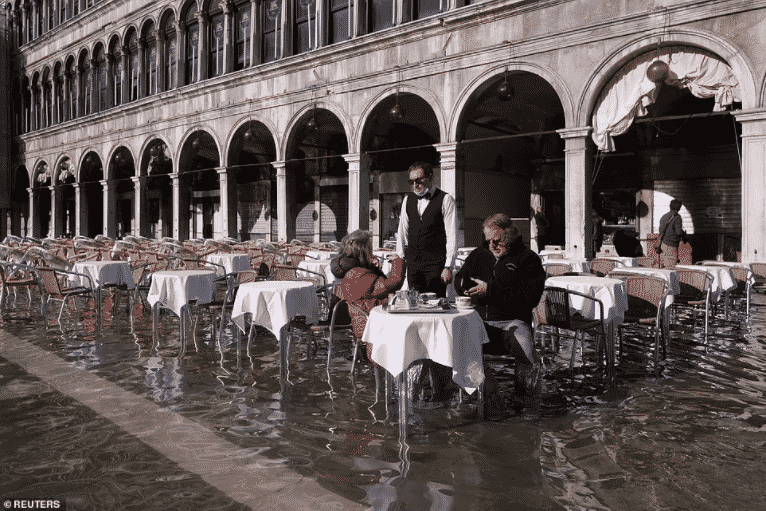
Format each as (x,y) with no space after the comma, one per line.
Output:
(759,271)
(646,262)
(602,267)
(52,282)
(646,304)
(14,275)
(554,312)
(555,269)
(695,292)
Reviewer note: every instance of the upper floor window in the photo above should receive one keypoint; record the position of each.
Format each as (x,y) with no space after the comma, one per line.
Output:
(99,79)
(192,45)
(215,36)
(304,32)
(116,76)
(170,56)
(271,11)
(425,8)
(133,66)
(244,42)
(150,62)
(380,14)
(340,17)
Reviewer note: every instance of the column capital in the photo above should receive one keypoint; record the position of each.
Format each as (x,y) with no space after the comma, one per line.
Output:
(226,6)
(138,179)
(104,184)
(446,147)
(356,161)
(281,168)
(753,121)
(579,132)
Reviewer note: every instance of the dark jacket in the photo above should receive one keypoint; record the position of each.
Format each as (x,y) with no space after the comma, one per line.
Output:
(674,232)
(515,282)
(426,237)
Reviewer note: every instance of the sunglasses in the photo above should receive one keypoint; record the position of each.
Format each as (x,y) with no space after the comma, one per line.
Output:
(419,181)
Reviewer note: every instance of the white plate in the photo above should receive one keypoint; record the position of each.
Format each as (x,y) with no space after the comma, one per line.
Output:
(464,307)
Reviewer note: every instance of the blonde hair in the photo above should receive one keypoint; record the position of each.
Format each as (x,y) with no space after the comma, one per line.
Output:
(358,245)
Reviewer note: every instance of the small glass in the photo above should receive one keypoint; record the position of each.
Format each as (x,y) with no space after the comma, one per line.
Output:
(414,298)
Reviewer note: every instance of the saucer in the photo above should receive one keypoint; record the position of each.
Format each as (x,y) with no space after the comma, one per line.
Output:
(464,307)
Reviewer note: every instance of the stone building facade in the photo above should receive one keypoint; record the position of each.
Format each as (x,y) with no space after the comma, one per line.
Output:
(285,119)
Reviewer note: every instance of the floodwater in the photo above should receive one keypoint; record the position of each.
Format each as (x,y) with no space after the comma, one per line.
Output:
(690,435)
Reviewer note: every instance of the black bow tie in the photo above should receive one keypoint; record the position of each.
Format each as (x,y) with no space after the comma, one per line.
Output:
(426,196)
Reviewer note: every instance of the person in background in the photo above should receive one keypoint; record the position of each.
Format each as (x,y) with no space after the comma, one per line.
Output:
(671,234)
(626,245)
(541,226)
(427,233)
(362,282)
(505,281)
(598,230)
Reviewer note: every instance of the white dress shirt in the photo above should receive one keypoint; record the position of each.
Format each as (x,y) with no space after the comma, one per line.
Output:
(450,225)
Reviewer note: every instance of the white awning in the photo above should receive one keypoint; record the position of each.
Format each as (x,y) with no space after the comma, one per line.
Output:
(628,94)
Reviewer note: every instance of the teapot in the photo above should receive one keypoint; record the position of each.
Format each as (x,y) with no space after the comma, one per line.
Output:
(401,301)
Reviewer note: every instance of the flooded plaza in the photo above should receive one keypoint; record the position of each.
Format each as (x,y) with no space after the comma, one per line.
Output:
(104,419)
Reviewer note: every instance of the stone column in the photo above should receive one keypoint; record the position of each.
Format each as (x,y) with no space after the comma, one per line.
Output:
(228,192)
(78,218)
(180,54)
(453,182)
(578,190)
(255,31)
(375,209)
(228,60)
(285,232)
(175,179)
(753,184)
(125,55)
(203,46)
(140,220)
(32,219)
(109,227)
(358,191)
(54,227)
(35,17)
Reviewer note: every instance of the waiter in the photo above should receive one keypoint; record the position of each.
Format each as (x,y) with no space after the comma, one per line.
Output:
(427,232)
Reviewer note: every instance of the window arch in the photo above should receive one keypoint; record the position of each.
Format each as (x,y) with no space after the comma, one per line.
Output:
(150,59)
(192,45)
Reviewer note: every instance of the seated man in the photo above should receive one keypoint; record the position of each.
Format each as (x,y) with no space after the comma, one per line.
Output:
(505,281)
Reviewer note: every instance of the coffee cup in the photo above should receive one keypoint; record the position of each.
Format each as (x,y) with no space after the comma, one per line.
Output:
(463,301)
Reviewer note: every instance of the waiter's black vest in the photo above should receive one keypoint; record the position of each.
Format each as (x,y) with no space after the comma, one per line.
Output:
(426,238)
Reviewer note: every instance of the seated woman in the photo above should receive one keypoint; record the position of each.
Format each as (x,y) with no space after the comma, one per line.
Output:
(362,282)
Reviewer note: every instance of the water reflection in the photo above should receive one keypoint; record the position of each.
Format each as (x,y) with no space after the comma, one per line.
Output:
(690,435)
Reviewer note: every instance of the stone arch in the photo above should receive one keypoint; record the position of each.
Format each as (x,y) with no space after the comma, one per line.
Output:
(558,84)
(299,116)
(705,40)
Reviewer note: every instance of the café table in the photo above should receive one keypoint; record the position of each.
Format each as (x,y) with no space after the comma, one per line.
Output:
(452,338)
(102,274)
(321,266)
(175,290)
(612,293)
(232,262)
(272,304)
(723,280)
(550,255)
(320,254)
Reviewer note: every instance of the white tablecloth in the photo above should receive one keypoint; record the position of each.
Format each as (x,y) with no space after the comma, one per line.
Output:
(231,262)
(723,280)
(176,288)
(611,292)
(732,264)
(103,273)
(452,339)
(320,254)
(545,254)
(274,303)
(321,266)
